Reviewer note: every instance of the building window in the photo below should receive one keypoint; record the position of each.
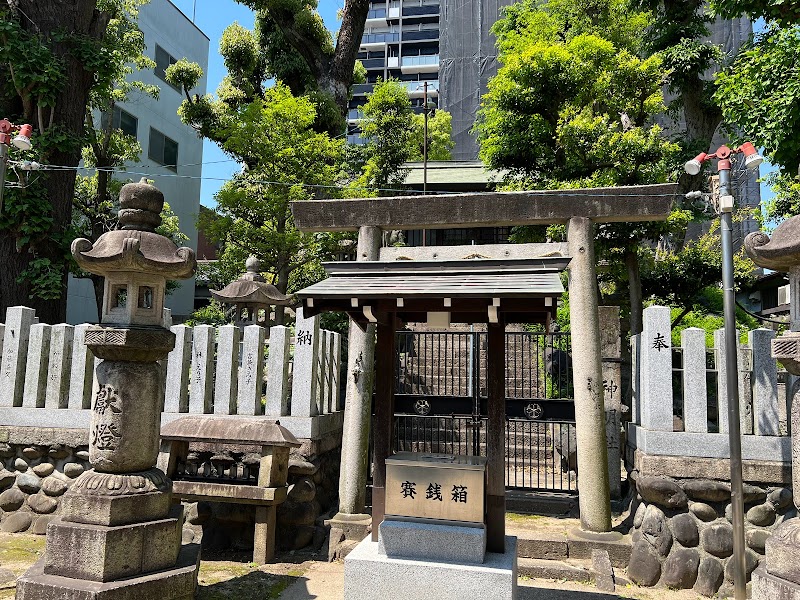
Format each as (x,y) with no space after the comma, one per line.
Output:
(163,150)
(122,120)
(163,60)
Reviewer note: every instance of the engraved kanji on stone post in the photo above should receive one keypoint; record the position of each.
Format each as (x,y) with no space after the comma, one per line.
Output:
(118,527)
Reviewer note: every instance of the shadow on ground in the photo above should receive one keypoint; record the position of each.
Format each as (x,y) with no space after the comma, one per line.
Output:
(537,593)
(254,585)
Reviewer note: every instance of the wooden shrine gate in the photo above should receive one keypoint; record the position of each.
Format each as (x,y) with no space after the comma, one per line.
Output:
(440,402)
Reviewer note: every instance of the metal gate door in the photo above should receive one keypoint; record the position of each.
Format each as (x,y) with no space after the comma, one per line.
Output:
(440,402)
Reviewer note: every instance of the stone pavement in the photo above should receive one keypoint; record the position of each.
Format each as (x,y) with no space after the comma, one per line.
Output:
(325,581)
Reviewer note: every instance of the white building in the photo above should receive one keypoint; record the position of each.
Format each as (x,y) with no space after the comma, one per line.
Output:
(172,153)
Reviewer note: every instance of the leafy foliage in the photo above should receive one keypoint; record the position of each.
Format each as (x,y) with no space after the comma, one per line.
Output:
(553,113)
(387,125)
(211,314)
(784,12)
(760,94)
(286,161)
(440,130)
(95,57)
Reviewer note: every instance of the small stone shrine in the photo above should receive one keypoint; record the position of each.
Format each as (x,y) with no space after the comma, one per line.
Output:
(119,534)
(438,521)
(779,576)
(251,296)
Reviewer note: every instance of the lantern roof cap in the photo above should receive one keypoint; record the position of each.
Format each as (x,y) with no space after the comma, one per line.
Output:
(136,247)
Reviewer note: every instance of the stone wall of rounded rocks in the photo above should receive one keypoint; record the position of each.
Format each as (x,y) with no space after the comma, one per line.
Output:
(312,495)
(682,534)
(32,480)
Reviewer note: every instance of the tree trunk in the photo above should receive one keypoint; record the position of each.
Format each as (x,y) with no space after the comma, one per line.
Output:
(282,283)
(46,18)
(634,290)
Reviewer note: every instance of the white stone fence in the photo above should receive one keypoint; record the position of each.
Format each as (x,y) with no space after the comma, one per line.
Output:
(46,373)
(679,404)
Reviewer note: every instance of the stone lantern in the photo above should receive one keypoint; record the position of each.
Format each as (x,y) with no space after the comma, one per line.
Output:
(118,534)
(250,295)
(779,576)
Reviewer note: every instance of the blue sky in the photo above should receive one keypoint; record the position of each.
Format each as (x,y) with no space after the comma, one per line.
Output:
(212,17)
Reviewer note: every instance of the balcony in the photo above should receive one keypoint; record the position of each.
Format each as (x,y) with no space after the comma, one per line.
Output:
(420,11)
(420,64)
(372,39)
(376,14)
(421,35)
(416,89)
(373,63)
(361,89)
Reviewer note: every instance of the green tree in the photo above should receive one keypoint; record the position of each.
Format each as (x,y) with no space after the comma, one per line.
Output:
(783,12)
(53,56)
(678,32)
(290,44)
(440,141)
(295,47)
(286,161)
(573,106)
(682,278)
(387,125)
(760,96)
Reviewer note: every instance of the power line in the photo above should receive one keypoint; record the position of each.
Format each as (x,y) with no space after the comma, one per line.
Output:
(47,167)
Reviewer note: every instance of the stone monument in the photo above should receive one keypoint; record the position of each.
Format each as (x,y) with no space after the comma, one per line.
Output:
(779,576)
(119,534)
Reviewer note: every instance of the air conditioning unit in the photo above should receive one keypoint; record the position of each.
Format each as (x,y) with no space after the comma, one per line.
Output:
(783,295)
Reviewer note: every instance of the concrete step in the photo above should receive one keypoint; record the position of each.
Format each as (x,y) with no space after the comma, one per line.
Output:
(555,569)
(570,547)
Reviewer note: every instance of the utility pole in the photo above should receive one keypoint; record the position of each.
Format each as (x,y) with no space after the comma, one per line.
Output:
(724,203)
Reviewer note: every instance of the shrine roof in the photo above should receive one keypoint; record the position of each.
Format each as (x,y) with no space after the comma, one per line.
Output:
(487,279)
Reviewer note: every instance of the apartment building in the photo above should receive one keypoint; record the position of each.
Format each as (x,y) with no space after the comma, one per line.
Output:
(401,41)
(172,153)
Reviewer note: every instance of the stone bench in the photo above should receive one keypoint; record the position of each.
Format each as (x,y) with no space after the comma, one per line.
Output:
(270,487)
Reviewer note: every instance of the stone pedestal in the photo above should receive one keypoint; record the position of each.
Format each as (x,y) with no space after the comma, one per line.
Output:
(371,575)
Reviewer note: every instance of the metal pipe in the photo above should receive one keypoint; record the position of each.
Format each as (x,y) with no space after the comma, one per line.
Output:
(425,140)
(3,164)
(731,378)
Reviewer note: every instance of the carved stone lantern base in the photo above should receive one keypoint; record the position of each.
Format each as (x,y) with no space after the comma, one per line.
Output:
(779,577)
(119,536)
(177,583)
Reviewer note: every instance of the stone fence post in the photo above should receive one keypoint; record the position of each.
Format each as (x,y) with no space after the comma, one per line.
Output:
(226,385)
(19,320)
(278,372)
(612,372)
(82,372)
(745,391)
(200,397)
(251,375)
(306,364)
(695,392)
(38,356)
(655,367)
(176,397)
(766,417)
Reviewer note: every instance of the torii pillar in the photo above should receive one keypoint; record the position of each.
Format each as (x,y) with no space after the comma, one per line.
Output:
(351,518)
(579,209)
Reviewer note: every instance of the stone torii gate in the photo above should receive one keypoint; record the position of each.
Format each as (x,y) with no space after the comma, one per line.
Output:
(579,210)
